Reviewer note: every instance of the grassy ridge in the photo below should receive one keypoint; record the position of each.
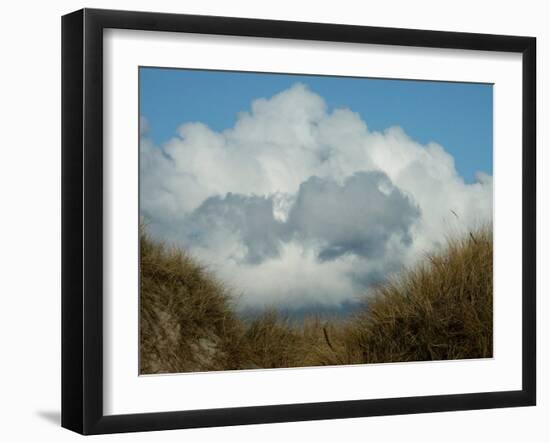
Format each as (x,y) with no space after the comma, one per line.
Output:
(186,318)
(440,310)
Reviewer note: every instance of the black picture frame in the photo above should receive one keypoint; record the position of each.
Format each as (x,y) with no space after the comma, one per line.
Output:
(82,221)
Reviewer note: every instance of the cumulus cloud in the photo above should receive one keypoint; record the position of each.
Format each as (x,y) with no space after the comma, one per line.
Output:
(297,204)
(357,217)
(250,219)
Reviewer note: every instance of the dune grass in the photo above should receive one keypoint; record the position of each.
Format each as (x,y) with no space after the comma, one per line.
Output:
(187,321)
(442,309)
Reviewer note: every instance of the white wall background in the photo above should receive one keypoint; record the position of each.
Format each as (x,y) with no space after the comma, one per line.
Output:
(30,219)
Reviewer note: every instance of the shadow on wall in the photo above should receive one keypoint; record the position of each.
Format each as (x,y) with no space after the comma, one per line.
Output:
(53,417)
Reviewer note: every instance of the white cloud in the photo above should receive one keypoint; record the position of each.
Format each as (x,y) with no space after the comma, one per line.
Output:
(297,204)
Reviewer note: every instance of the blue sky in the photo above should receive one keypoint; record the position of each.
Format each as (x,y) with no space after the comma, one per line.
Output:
(459,116)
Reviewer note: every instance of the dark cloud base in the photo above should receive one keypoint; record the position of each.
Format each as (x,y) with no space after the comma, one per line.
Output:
(357,217)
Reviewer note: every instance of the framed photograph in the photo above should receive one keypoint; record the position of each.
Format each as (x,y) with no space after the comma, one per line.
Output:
(269,221)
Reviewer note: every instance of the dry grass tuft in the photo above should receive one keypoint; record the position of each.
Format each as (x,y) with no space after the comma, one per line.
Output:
(272,342)
(187,321)
(441,310)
